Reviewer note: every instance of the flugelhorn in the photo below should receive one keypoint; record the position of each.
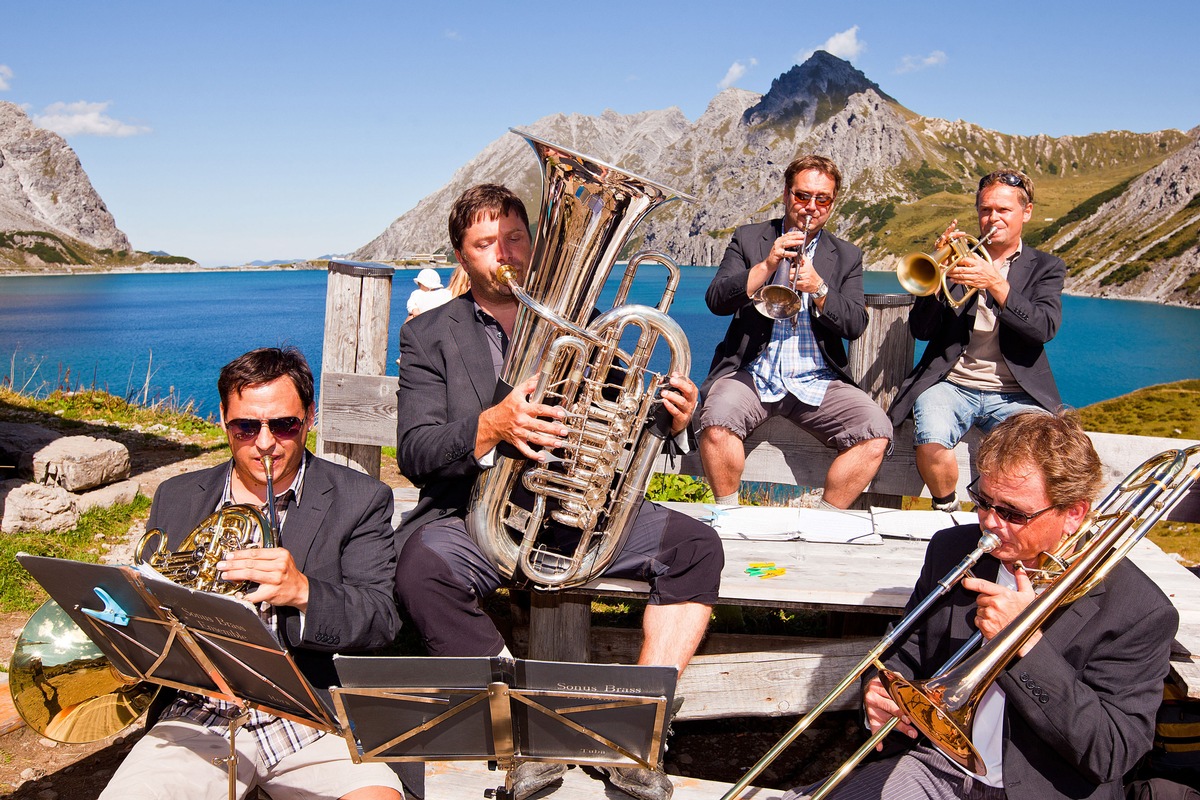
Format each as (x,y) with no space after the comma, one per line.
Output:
(591,488)
(923,274)
(775,300)
(943,707)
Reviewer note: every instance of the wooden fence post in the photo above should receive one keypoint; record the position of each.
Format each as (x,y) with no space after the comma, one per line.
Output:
(358,301)
(882,357)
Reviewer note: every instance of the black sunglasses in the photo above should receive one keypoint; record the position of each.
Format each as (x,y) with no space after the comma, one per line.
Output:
(1009,515)
(282,428)
(803,197)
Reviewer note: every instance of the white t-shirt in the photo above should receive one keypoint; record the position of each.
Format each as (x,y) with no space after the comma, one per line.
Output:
(421,300)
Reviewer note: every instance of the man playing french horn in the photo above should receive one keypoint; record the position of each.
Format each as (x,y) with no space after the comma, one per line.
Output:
(325,588)
(450,424)
(1074,708)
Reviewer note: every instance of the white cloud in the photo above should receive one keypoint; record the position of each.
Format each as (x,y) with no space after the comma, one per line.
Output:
(843,45)
(5,76)
(735,73)
(914,63)
(84,119)
(452,34)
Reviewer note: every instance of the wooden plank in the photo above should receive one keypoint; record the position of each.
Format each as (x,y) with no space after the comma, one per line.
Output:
(358,409)
(468,779)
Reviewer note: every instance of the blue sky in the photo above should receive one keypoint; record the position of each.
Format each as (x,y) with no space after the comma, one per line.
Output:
(239,131)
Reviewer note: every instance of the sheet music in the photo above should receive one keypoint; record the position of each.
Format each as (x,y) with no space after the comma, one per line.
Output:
(897,524)
(774,523)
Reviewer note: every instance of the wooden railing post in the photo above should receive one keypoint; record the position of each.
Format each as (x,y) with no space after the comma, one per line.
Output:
(882,357)
(358,301)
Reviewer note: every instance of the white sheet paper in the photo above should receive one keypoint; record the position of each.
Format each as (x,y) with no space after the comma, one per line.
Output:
(896,524)
(773,523)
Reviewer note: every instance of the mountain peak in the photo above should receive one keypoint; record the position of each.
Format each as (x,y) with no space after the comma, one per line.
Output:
(811,92)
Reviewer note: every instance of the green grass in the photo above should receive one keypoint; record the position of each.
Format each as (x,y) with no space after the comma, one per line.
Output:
(19,591)
(92,404)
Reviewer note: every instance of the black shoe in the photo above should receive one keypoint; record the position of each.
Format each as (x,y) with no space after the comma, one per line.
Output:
(530,777)
(639,782)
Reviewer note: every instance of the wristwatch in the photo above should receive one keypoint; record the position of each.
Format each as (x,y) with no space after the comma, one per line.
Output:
(821,291)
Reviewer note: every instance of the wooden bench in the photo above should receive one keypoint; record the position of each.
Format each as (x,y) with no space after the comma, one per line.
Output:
(733,674)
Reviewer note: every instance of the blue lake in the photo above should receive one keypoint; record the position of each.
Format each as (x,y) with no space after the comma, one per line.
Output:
(109,331)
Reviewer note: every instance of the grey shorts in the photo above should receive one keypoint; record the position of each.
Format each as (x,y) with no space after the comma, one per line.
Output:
(845,417)
(174,761)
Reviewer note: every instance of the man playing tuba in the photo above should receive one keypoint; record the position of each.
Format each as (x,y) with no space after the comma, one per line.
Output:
(448,430)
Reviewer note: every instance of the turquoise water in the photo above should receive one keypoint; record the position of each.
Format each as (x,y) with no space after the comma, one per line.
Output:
(110,330)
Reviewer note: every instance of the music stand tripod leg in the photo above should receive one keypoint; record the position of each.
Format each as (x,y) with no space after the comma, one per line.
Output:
(231,761)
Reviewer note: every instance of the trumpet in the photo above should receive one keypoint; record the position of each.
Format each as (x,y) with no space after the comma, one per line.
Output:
(777,301)
(923,274)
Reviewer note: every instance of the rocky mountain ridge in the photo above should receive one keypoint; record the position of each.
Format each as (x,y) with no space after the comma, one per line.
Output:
(47,202)
(905,175)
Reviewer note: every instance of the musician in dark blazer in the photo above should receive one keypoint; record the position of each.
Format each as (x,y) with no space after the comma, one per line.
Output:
(1074,708)
(985,359)
(326,588)
(451,418)
(794,367)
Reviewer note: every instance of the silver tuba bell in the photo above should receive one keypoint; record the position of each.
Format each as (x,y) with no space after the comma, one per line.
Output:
(560,523)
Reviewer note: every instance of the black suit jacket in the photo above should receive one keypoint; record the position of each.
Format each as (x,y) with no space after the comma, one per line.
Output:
(844,316)
(1030,318)
(1080,706)
(446,380)
(340,536)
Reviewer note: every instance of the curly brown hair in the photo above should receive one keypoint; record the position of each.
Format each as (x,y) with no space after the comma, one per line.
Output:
(1054,444)
(263,366)
(491,199)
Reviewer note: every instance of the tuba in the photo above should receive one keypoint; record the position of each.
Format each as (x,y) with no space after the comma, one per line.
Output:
(922,274)
(561,522)
(61,683)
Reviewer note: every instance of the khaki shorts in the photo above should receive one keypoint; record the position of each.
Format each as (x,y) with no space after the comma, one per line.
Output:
(845,417)
(174,761)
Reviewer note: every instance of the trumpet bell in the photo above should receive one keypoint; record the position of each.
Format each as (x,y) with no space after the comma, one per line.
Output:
(65,688)
(919,274)
(777,301)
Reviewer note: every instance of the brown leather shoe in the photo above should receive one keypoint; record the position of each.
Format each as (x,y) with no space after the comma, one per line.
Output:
(530,777)
(639,782)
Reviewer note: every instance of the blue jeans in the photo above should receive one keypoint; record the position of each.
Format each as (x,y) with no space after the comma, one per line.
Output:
(945,412)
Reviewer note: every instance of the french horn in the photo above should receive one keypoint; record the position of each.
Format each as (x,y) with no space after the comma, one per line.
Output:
(62,684)
(561,522)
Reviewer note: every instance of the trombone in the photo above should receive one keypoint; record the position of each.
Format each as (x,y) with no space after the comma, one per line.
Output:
(943,707)
(923,274)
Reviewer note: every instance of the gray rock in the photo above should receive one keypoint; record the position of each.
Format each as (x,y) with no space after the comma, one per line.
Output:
(35,506)
(108,496)
(77,463)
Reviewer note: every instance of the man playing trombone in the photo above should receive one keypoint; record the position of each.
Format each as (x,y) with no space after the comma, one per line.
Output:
(1073,708)
(985,359)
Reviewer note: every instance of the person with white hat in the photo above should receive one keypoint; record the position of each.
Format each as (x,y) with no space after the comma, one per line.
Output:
(429,293)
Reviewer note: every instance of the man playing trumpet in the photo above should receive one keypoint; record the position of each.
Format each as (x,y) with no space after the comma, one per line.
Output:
(986,358)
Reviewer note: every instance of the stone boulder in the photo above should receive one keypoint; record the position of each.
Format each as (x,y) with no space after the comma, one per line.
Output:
(35,506)
(108,496)
(77,463)
(18,439)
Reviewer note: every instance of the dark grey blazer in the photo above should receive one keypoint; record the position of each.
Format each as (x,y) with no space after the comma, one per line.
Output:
(446,380)
(1030,318)
(340,536)
(1080,706)
(844,316)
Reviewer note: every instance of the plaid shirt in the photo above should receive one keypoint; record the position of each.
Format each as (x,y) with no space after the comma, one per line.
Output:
(792,362)
(277,738)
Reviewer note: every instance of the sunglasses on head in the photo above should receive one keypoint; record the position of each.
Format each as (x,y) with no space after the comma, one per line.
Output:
(282,428)
(1007,178)
(803,197)
(1009,515)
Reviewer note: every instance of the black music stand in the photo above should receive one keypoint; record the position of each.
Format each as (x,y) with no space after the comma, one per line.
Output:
(157,631)
(502,710)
